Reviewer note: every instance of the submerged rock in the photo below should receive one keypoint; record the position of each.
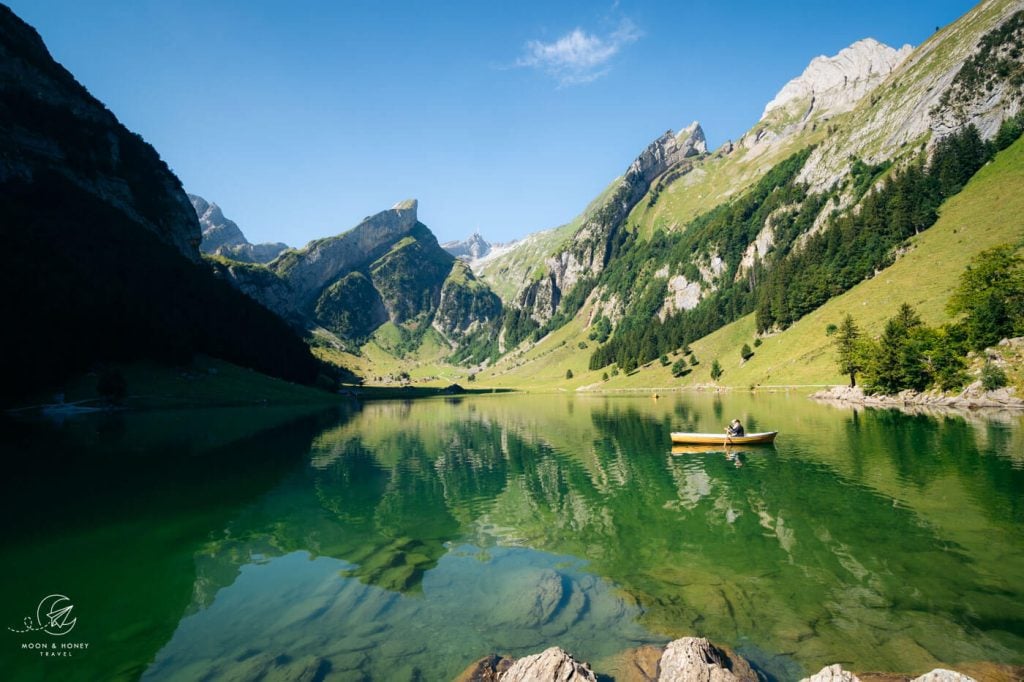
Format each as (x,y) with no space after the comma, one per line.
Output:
(638,665)
(550,665)
(695,659)
(832,673)
(487,669)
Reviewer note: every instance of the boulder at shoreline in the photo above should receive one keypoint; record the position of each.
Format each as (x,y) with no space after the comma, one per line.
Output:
(688,659)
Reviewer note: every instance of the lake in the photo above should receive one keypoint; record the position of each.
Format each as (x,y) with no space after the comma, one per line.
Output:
(402,540)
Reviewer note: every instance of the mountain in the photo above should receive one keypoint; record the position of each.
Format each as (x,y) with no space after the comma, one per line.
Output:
(573,268)
(470,249)
(388,271)
(103,244)
(849,159)
(53,127)
(222,237)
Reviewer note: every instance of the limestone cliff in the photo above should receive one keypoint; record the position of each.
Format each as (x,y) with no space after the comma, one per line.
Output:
(587,252)
(387,269)
(832,85)
(929,95)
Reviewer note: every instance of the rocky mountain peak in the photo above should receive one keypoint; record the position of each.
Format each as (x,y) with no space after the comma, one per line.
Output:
(407,205)
(470,249)
(223,237)
(835,84)
(217,230)
(666,151)
(693,136)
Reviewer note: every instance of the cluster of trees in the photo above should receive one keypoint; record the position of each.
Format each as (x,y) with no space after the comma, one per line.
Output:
(790,282)
(682,366)
(856,245)
(988,305)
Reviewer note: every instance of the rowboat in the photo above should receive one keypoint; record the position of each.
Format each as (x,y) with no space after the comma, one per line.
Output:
(722,439)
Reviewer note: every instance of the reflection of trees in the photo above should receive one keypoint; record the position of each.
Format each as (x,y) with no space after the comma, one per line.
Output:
(785,551)
(798,551)
(923,450)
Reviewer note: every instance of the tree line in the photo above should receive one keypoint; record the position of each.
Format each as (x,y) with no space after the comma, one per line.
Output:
(856,245)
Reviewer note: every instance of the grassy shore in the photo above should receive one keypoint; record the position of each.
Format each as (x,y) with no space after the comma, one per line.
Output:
(205,382)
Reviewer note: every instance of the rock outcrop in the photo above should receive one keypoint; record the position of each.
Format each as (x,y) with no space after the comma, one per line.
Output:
(587,252)
(466,304)
(971,398)
(832,85)
(222,237)
(550,665)
(695,659)
(832,673)
(919,101)
(689,659)
(943,675)
(217,230)
(51,126)
(836,673)
(262,285)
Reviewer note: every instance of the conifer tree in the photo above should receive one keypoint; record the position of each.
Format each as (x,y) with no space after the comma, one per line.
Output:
(848,347)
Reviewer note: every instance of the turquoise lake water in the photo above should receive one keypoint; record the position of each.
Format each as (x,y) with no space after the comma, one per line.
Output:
(404,540)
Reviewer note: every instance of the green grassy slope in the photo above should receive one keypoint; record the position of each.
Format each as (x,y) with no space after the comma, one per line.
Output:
(989,211)
(714,181)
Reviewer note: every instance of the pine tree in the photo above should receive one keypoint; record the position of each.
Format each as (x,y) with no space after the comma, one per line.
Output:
(716,370)
(848,347)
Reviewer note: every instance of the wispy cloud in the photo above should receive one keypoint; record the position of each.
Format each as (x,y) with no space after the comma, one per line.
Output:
(578,57)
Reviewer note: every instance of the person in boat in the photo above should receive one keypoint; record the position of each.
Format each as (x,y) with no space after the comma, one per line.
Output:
(735,429)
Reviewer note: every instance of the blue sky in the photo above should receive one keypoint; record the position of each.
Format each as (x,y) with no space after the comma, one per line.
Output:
(301,118)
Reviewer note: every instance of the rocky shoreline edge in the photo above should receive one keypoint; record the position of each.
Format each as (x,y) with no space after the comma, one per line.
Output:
(972,398)
(691,659)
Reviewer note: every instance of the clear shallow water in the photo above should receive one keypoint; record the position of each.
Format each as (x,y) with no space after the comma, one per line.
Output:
(404,540)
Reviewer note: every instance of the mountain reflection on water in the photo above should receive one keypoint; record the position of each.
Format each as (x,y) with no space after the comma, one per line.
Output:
(406,539)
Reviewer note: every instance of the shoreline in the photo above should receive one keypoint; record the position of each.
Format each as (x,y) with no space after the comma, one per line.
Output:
(696,659)
(971,399)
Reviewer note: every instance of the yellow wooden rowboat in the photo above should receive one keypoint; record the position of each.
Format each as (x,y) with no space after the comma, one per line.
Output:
(722,439)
